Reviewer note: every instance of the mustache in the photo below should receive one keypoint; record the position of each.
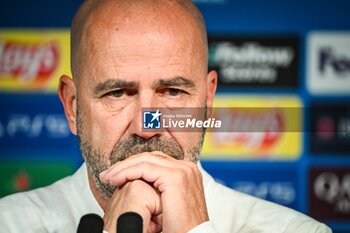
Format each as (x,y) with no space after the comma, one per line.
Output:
(136,144)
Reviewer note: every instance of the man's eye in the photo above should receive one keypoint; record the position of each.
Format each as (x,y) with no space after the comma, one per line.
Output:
(116,93)
(121,92)
(172,91)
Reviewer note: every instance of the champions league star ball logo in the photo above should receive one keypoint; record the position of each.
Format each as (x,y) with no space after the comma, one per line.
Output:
(151,120)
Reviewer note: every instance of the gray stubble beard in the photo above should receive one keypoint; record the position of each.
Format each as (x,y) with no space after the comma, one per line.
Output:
(96,161)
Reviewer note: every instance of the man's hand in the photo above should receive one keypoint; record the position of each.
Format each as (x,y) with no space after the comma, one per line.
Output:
(179,183)
(136,196)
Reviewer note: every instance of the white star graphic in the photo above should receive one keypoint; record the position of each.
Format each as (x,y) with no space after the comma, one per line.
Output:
(156,115)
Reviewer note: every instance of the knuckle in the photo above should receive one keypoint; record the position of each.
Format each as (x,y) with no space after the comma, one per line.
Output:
(180,175)
(191,168)
(192,165)
(144,165)
(134,187)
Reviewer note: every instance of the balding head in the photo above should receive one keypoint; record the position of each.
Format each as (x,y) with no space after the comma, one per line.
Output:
(128,55)
(96,19)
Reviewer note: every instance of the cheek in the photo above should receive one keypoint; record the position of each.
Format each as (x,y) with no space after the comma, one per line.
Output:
(102,129)
(187,141)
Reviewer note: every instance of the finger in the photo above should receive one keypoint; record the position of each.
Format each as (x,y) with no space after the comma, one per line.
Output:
(149,206)
(146,171)
(162,177)
(156,157)
(155,224)
(125,164)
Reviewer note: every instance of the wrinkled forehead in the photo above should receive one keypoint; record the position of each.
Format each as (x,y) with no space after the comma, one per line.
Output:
(132,23)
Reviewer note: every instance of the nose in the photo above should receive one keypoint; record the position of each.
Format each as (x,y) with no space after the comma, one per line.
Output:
(146,117)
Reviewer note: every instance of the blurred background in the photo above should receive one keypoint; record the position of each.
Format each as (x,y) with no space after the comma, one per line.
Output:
(276,55)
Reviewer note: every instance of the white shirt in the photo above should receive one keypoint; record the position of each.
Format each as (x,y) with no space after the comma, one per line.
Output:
(58,208)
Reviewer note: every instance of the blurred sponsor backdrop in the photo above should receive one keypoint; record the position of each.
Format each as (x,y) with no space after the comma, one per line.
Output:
(269,54)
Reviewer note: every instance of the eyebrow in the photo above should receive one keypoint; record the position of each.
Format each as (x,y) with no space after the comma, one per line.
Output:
(177,81)
(111,84)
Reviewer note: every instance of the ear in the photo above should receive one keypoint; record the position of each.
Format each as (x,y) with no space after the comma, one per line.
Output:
(68,97)
(212,80)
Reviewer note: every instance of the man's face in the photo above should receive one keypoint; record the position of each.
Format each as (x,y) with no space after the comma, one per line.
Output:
(130,68)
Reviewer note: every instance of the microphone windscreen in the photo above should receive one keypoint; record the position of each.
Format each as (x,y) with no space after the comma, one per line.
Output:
(90,223)
(129,222)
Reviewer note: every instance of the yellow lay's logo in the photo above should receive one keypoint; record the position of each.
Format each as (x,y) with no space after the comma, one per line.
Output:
(33,60)
(256,127)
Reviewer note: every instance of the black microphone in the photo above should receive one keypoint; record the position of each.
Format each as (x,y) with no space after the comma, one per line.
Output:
(129,222)
(90,223)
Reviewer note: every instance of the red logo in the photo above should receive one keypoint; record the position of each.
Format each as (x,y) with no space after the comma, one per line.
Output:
(28,62)
(22,181)
(252,128)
